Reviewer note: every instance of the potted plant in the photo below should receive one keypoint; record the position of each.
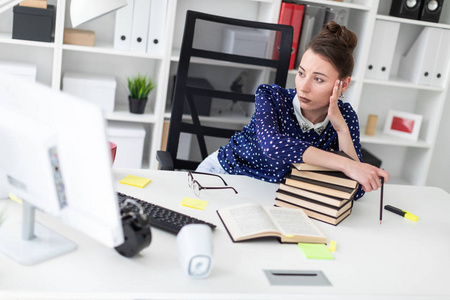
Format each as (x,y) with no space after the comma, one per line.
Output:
(139,88)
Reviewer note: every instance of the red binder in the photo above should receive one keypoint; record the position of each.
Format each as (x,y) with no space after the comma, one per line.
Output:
(286,10)
(296,22)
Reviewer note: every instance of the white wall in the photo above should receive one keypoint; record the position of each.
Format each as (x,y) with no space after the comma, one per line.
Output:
(439,173)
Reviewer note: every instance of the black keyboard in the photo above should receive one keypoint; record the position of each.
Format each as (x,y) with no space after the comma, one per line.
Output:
(162,217)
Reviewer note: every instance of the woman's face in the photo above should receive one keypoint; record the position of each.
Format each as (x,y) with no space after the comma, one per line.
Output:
(314,82)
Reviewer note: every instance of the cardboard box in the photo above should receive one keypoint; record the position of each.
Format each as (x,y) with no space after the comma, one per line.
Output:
(79,37)
(34,3)
(245,42)
(129,138)
(34,24)
(100,89)
(24,70)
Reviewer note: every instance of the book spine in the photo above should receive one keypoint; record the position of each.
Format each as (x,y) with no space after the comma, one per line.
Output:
(296,23)
(285,18)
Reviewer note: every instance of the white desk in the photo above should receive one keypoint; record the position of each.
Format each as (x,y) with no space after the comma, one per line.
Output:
(399,259)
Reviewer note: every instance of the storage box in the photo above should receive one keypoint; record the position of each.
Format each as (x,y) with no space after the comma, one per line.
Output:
(100,89)
(245,42)
(129,138)
(24,70)
(34,24)
(79,37)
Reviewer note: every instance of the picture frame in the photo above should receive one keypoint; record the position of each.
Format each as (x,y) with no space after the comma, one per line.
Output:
(403,124)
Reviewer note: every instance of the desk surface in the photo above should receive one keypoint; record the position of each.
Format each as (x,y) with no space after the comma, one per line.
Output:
(398,258)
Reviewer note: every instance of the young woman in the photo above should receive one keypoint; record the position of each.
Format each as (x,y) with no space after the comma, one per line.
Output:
(303,124)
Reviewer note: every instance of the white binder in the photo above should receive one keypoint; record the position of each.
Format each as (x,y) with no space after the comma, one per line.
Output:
(157,26)
(124,23)
(440,73)
(417,65)
(382,49)
(139,33)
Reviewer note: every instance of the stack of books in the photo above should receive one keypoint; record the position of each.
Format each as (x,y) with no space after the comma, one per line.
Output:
(323,194)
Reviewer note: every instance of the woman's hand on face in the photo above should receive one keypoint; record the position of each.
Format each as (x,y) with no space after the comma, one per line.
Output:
(334,114)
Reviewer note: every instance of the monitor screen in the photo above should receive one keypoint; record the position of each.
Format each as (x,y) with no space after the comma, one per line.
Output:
(55,157)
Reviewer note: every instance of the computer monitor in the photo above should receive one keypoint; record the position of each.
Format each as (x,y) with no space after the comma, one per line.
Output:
(54,157)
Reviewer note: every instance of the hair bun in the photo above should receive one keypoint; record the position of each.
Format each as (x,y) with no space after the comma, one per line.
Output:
(336,44)
(345,36)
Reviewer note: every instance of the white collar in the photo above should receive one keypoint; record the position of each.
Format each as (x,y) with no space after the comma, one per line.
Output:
(305,124)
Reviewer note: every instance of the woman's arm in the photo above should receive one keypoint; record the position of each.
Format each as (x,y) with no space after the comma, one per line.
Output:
(272,122)
(367,175)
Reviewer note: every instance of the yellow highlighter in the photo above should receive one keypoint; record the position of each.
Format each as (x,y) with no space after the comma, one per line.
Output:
(402,213)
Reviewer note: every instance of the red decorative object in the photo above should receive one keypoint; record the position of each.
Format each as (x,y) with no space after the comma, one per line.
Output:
(402,124)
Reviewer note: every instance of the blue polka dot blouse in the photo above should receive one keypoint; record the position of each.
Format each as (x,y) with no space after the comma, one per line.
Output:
(273,140)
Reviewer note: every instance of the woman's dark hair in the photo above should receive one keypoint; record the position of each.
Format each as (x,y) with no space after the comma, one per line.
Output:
(336,44)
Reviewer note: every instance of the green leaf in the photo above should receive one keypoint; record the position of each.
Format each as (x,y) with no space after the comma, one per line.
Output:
(140,87)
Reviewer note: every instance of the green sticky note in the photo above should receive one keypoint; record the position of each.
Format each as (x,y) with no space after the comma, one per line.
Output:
(194,203)
(316,251)
(136,181)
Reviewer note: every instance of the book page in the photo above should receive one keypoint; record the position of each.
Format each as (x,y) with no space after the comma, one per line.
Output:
(248,219)
(293,221)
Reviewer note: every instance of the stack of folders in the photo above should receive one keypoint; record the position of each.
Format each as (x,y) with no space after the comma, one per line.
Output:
(140,26)
(425,61)
(323,194)
(307,21)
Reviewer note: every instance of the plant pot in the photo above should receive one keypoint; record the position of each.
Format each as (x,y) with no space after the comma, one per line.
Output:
(137,106)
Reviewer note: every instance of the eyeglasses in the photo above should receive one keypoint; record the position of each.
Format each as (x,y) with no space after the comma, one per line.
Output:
(197,187)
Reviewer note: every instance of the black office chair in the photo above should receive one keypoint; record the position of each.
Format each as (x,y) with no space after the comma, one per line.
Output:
(193,95)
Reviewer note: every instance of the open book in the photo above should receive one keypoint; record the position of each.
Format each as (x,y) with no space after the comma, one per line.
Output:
(252,220)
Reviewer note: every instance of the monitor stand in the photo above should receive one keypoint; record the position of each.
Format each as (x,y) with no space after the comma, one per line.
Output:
(32,242)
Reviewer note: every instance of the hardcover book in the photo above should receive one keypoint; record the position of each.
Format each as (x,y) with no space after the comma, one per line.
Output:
(315,205)
(297,192)
(321,187)
(319,216)
(252,220)
(334,177)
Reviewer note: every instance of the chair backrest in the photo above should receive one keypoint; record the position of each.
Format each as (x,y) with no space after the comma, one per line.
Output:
(247,48)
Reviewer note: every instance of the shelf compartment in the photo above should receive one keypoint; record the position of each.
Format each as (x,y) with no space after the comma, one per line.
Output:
(121,68)
(405,165)
(42,57)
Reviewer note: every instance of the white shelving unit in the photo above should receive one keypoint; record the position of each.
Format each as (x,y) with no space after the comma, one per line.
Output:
(407,161)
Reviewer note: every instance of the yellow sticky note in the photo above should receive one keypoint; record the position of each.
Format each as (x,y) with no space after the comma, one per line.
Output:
(194,203)
(332,246)
(316,251)
(136,181)
(14,198)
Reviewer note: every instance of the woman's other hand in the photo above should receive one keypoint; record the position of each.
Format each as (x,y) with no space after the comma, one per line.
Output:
(367,175)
